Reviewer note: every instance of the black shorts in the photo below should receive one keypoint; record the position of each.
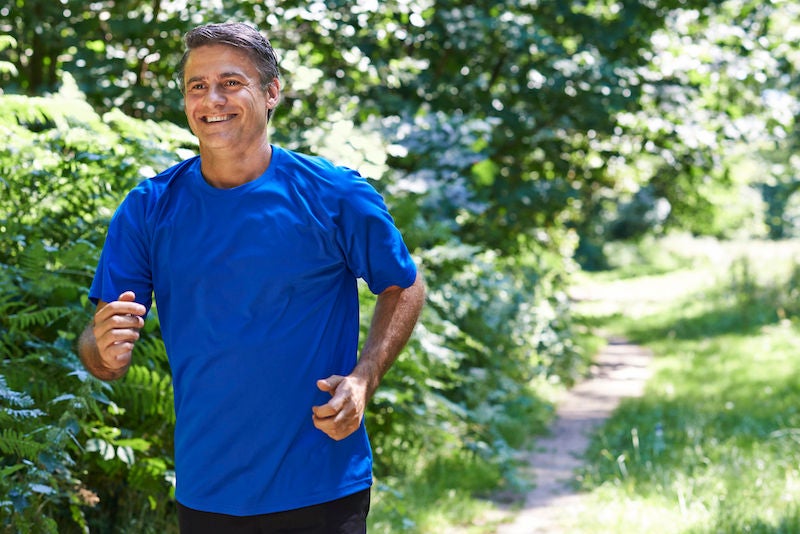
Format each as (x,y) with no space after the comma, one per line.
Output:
(347,515)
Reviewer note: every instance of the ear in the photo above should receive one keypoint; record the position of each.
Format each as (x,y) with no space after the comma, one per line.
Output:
(273,93)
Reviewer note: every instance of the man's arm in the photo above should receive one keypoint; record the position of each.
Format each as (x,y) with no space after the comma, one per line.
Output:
(396,312)
(106,345)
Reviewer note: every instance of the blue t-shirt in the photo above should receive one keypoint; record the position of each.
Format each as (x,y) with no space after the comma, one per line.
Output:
(256,289)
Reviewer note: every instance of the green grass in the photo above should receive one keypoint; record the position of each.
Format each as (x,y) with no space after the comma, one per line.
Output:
(723,320)
(445,493)
(725,395)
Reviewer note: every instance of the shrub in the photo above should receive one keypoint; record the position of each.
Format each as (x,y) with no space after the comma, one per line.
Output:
(493,326)
(68,440)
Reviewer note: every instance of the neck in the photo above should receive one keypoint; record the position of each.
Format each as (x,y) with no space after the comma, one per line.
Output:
(225,169)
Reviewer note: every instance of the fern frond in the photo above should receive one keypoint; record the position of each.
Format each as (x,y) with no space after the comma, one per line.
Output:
(148,473)
(146,392)
(32,317)
(14,398)
(18,444)
(24,414)
(151,348)
(33,259)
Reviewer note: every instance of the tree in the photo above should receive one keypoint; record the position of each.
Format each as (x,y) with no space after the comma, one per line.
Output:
(120,52)
(504,133)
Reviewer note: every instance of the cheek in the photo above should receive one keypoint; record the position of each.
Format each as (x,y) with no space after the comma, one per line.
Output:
(190,119)
(188,109)
(190,103)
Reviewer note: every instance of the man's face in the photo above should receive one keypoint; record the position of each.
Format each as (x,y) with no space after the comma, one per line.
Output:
(224,103)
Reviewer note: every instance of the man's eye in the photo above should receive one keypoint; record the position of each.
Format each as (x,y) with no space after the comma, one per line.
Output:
(197,86)
(231,83)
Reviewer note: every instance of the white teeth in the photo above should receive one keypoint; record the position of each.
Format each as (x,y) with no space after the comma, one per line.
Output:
(218,118)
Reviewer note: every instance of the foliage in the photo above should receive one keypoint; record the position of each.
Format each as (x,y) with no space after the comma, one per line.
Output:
(731,67)
(615,118)
(712,446)
(441,494)
(69,441)
(510,137)
(64,171)
(114,49)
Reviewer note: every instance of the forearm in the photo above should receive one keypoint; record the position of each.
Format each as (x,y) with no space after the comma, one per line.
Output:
(396,313)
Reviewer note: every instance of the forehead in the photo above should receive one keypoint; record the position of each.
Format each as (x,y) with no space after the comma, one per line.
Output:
(216,59)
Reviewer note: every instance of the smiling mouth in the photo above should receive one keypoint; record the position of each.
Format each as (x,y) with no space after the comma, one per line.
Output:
(217,118)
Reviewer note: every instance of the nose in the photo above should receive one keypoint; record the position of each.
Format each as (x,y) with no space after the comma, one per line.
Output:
(215,95)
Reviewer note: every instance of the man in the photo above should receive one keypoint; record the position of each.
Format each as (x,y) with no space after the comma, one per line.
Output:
(253,254)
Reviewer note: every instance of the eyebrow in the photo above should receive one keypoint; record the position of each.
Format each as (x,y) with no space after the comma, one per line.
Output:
(237,74)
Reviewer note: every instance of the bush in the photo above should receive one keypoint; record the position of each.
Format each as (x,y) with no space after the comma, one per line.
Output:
(68,440)
(77,453)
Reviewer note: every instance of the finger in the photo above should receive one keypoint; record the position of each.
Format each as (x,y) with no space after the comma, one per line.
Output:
(325,426)
(111,336)
(127,296)
(120,314)
(117,328)
(121,353)
(130,296)
(119,308)
(330,384)
(116,355)
(125,321)
(113,343)
(336,428)
(329,426)
(325,411)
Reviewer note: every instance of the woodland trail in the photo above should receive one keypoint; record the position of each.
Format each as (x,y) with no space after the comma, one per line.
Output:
(620,371)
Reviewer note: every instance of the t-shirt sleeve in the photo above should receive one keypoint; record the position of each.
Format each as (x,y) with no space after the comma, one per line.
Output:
(373,246)
(124,261)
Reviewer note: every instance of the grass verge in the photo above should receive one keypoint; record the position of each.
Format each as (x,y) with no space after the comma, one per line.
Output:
(712,447)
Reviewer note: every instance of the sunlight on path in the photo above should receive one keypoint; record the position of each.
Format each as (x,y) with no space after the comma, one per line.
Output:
(620,371)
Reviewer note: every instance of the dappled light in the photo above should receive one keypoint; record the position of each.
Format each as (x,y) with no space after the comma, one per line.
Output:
(561,171)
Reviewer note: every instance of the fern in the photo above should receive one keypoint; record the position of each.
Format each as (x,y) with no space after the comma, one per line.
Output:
(13,398)
(24,414)
(32,317)
(18,415)
(151,349)
(147,392)
(15,443)
(63,169)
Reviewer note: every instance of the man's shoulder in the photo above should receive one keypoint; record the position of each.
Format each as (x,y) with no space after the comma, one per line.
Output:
(153,191)
(165,179)
(314,171)
(292,160)
(169,175)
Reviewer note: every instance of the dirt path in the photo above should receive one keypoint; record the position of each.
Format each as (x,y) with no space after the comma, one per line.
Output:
(620,371)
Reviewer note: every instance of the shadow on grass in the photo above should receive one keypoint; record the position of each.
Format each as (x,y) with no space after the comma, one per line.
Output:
(691,322)
(715,441)
(719,432)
